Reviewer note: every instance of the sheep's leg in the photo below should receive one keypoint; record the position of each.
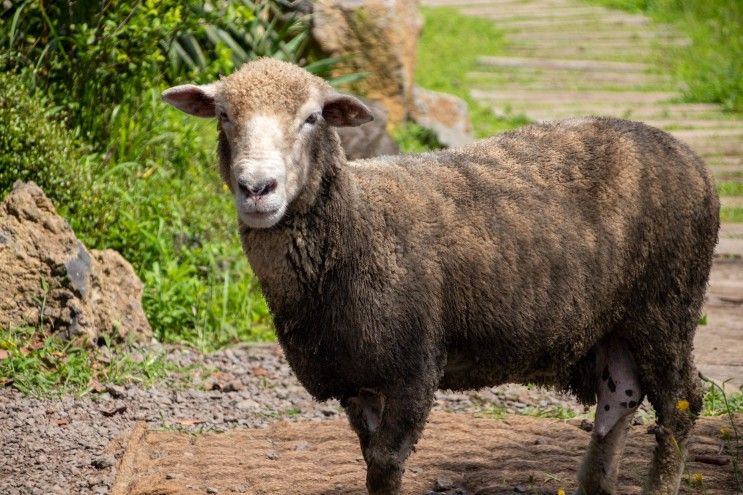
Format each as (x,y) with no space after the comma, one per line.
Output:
(598,473)
(388,427)
(677,406)
(618,394)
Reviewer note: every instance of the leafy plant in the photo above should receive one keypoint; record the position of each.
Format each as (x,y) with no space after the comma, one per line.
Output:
(35,145)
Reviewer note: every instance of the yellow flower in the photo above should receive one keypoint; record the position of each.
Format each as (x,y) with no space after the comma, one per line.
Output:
(225,188)
(682,405)
(696,480)
(560,492)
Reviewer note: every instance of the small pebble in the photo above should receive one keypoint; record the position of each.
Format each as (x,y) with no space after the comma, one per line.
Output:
(443,484)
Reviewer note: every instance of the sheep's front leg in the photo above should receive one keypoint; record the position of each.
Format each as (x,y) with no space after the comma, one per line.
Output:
(388,426)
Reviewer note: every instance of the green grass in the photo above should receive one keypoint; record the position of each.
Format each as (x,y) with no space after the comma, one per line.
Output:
(731,214)
(47,366)
(448,49)
(730,188)
(413,138)
(712,66)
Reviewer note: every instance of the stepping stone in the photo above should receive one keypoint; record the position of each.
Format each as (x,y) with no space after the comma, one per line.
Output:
(572,65)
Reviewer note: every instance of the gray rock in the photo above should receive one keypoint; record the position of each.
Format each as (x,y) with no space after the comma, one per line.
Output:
(85,292)
(368,140)
(446,115)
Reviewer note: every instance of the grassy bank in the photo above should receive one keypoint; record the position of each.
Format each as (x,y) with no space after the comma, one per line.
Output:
(448,49)
(711,67)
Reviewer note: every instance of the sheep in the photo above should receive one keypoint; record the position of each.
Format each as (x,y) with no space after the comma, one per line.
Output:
(570,254)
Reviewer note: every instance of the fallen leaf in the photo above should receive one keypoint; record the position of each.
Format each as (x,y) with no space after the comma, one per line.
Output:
(4,354)
(96,386)
(260,371)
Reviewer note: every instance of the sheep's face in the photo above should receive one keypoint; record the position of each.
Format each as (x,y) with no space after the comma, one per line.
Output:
(271,117)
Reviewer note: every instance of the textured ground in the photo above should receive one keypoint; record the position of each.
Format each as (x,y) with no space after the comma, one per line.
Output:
(70,445)
(458,454)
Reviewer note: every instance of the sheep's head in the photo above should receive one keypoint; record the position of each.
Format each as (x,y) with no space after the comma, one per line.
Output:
(271,115)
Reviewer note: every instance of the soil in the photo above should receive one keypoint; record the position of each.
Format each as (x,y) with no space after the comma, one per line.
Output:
(458,453)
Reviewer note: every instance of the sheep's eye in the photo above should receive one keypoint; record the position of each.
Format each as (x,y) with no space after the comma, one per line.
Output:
(223,116)
(311,119)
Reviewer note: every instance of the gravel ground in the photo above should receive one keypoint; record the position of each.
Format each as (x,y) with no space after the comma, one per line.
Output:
(68,445)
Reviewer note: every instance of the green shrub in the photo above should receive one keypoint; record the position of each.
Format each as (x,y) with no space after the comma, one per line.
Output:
(34,144)
(414,138)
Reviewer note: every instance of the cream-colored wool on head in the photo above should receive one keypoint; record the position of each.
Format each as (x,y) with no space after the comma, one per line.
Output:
(268,112)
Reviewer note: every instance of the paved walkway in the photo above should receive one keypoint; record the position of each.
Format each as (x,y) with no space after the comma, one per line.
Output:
(567,59)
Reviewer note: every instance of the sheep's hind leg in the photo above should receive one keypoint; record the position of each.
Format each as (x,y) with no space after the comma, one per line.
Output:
(388,427)
(676,396)
(618,395)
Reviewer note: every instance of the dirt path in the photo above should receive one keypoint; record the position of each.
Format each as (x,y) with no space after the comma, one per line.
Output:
(458,454)
(570,59)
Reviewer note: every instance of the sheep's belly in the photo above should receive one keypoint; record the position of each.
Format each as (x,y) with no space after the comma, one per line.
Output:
(467,372)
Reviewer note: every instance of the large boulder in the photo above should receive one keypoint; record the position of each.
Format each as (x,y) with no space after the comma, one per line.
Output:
(446,115)
(380,39)
(48,278)
(368,140)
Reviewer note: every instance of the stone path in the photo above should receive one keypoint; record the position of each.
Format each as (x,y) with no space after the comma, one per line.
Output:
(566,58)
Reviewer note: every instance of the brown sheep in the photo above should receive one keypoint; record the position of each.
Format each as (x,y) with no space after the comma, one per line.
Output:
(573,254)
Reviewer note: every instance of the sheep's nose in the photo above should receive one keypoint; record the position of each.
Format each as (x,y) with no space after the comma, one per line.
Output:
(256,189)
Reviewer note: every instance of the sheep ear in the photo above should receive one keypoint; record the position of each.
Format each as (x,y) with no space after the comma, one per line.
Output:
(192,99)
(345,111)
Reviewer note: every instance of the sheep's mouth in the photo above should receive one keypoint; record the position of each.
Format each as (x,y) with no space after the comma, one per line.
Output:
(261,219)
(261,214)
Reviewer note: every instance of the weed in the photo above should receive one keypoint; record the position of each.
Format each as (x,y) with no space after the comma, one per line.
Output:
(45,365)
(718,400)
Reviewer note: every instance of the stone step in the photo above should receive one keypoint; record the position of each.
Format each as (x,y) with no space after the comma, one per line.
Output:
(727,163)
(577,25)
(568,84)
(496,3)
(596,45)
(686,124)
(648,36)
(558,64)
(521,75)
(541,4)
(527,12)
(561,96)
(730,147)
(730,244)
(539,112)
(636,54)
(731,202)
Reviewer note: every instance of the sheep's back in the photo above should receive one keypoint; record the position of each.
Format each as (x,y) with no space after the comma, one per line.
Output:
(536,238)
